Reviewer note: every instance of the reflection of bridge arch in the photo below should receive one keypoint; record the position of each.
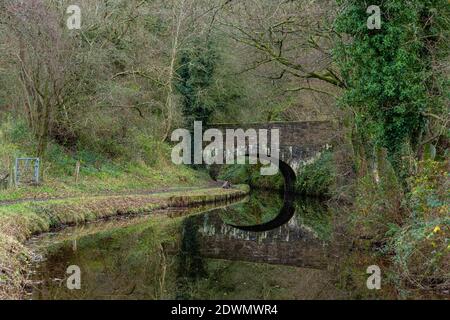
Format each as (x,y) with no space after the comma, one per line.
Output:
(290,244)
(293,243)
(289,178)
(285,215)
(288,210)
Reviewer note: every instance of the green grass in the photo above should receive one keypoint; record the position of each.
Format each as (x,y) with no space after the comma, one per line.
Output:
(131,178)
(142,164)
(38,217)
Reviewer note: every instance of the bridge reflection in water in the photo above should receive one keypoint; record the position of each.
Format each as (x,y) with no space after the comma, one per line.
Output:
(293,243)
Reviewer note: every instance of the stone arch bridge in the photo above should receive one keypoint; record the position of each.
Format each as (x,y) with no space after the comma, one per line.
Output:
(301,143)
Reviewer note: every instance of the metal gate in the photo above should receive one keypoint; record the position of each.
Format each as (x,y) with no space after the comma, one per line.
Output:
(26,171)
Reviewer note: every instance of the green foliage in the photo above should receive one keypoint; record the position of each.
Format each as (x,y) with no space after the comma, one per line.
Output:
(235,173)
(318,178)
(421,253)
(195,73)
(418,243)
(143,163)
(396,90)
(250,175)
(377,207)
(422,244)
(388,72)
(315,179)
(313,214)
(151,151)
(429,191)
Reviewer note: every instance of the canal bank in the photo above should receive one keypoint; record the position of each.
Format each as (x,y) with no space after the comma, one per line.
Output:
(193,253)
(19,221)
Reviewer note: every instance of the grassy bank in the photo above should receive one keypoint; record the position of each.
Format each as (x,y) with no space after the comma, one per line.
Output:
(140,163)
(21,220)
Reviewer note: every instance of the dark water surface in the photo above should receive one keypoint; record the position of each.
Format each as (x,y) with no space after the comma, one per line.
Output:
(200,254)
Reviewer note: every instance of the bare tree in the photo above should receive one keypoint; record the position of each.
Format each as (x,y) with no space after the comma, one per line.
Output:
(296,35)
(289,43)
(44,59)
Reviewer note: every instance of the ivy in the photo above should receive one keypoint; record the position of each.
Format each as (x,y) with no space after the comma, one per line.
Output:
(388,72)
(196,72)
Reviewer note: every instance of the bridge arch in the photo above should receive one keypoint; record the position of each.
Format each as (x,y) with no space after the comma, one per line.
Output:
(289,175)
(301,142)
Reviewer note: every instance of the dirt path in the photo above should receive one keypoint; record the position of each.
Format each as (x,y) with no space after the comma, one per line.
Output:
(211,185)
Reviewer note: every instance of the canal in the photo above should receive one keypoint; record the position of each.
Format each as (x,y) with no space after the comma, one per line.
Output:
(208,252)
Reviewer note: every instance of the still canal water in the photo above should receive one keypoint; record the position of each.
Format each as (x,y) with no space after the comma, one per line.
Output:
(203,253)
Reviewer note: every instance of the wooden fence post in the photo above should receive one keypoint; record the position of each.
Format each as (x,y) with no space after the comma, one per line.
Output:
(77,171)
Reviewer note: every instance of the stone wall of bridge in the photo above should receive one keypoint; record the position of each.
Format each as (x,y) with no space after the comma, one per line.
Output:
(300,142)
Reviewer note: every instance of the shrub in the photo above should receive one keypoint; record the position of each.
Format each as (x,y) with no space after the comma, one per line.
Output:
(422,244)
(318,178)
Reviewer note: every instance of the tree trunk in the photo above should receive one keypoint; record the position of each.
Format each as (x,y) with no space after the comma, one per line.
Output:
(169,100)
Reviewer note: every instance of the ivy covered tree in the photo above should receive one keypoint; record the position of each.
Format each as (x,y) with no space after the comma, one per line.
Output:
(393,86)
(196,72)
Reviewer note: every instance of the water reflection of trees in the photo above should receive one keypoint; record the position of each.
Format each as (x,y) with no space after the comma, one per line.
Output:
(315,215)
(190,264)
(262,207)
(117,264)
